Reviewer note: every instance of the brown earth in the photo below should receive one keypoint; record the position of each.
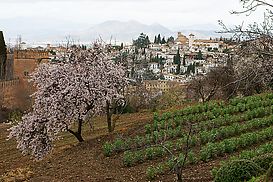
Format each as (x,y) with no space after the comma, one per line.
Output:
(71,161)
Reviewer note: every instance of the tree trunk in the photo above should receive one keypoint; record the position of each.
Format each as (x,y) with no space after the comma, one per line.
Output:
(79,137)
(109,117)
(179,174)
(179,178)
(78,134)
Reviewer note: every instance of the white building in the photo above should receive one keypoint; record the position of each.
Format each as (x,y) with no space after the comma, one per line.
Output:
(202,44)
(154,67)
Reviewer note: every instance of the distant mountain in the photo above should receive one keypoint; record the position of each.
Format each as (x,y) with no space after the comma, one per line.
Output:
(201,34)
(122,31)
(127,31)
(202,31)
(57,31)
(207,27)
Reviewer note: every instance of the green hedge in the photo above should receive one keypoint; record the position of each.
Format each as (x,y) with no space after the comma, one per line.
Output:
(237,171)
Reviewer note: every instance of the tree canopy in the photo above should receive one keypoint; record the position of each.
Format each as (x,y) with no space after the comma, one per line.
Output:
(142,41)
(67,93)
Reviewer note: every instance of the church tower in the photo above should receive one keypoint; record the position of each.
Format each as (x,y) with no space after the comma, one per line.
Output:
(191,40)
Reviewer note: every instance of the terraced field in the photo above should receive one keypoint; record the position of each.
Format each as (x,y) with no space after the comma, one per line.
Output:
(199,134)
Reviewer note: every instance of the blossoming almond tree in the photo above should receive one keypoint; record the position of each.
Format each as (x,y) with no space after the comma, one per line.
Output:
(67,92)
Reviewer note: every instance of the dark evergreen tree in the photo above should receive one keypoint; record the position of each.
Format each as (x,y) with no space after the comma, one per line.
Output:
(155,40)
(178,69)
(163,41)
(184,61)
(3,56)
(147,40)
(159,39)
(199,55)
(142,41)
(170,40)
(193,68)
(177,58)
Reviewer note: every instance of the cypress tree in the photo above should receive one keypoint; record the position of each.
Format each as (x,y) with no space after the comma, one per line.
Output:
(159,39)
(3,56)
(2,44)
(184,61)
(163,41)
(177,58)
(155,41)
(193,68)
(199,55)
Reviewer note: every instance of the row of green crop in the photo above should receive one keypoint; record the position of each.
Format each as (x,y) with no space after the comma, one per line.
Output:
(234,129)
(213,114)
(208,106)
(229,119)
(134,157)
(199,108)
(170,164)
(212,150)
(248,154)
(174,121)
(141,141)
(159,136)
(131,158)
(236,101)
(205,107)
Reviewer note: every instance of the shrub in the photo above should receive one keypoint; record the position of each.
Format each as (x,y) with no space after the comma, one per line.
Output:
(238,170)
(214,172)
(128,158)
(15,116)
(151,173)
(148,128)
(191,158)
(264,161)
(107,149)
(269,173)
(118,144)
(257,179)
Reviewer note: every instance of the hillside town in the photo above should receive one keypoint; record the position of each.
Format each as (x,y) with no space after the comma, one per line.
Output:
(138,91)
(160,65)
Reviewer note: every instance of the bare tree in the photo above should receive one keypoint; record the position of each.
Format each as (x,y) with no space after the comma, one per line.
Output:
(114,109)
(179,165)
(251,59)
(251,5)
(218,83)
(139,97)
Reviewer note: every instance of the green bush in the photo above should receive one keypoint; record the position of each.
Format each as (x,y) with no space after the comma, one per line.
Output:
(118,145)
(128,158)
(107,149)
(151,173)
(257,179)
(192,159)
(15,117)
(264,161)
(237,171)
(269,173)
(148,128)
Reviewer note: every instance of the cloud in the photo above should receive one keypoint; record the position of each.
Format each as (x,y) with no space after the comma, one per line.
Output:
(34,1)
(82,14)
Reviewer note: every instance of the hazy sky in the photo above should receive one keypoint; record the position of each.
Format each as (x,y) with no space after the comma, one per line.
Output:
(16,16)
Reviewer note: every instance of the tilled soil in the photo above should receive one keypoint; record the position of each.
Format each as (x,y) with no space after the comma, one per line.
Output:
(86,162)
